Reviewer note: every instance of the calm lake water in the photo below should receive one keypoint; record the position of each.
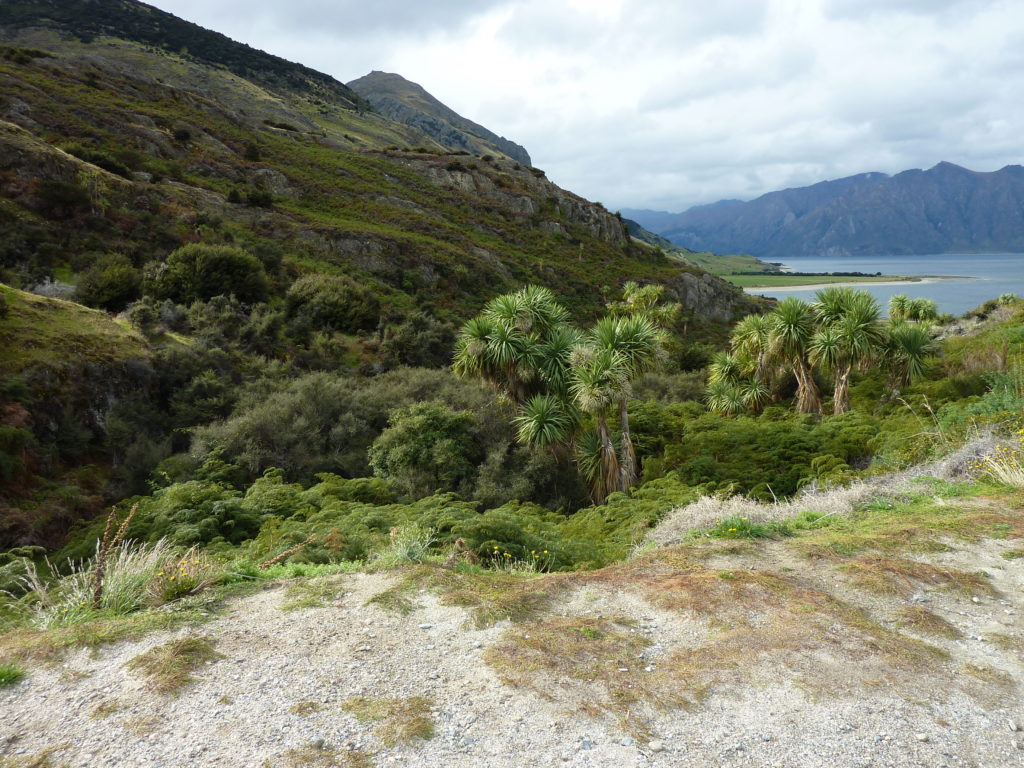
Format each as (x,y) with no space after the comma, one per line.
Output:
(991,275)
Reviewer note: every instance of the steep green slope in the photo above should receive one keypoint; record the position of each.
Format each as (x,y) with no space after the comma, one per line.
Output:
(37,332)
(368,242)
(185,146)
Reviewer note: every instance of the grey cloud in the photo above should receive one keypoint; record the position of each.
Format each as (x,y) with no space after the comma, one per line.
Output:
(333,17)
(669,104)
(863,8)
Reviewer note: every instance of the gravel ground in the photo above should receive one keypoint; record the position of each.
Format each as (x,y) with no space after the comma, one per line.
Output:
(239,710)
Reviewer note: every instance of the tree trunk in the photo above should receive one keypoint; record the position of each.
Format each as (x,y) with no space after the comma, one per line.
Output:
(808,400)
(609,461)
(841,398)
(627,462)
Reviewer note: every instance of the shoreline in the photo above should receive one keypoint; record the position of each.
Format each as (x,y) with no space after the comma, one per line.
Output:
(912,280)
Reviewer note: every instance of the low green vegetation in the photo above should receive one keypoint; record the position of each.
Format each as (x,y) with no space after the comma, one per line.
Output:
(10,674)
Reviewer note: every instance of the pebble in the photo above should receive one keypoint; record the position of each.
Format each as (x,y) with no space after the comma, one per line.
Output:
(426,626)
(921,736)
(627,742)
(657,746)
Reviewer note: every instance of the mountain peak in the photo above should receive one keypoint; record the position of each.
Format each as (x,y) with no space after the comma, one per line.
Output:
(947,208)
(404,101)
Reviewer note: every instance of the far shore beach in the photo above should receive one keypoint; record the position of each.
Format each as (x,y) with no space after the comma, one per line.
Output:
(914,280)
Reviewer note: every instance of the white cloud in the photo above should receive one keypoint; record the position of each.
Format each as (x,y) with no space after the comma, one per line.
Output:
(644,103)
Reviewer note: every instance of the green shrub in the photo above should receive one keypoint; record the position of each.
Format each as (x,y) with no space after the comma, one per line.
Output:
(428,447)
(63,200)
(316,302)
(199,271)
(13,443)
(111,283)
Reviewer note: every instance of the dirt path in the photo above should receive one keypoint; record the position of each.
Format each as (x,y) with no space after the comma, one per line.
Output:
(276,697)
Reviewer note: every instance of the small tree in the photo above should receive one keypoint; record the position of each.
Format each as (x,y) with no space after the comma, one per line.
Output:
(199,271)
(427,448)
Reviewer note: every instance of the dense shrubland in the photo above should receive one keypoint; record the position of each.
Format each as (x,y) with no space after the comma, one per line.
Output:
(262,469)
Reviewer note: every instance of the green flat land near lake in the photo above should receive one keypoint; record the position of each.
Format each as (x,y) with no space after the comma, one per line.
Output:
(783,280)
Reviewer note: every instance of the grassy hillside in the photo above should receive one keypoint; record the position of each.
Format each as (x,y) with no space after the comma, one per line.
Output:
(185,142)
(39,332)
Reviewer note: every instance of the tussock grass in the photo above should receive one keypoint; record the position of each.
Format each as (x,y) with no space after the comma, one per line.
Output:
(708,512)
(169,667)
(399,721)
(49,645)
(134,576)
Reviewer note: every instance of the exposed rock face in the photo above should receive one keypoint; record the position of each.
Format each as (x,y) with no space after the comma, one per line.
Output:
(942,210)
(711,298)
(406,102)
(528,193)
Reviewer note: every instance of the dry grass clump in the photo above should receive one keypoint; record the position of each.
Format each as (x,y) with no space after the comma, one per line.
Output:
(399,721)
(320,756)
(304,708)
(108,707)
(919,619)
(491,596)
(41,759)
(899,576)
(312,593)
(593,664)
(763,623)
(708,511)
(1005,642)
(47,646)
(169,667)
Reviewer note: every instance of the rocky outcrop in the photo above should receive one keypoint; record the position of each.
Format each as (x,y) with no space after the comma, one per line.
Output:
(526,192)
(711,298)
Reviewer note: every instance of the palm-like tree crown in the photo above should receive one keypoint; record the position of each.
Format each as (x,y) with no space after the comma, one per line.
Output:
(792,327)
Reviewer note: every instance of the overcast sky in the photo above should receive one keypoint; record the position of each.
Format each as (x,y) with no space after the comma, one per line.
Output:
(668,103)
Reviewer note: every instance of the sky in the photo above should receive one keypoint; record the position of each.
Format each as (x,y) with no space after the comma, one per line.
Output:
(665,104)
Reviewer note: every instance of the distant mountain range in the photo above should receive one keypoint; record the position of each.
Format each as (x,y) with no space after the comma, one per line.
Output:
(406,102)
(945,209)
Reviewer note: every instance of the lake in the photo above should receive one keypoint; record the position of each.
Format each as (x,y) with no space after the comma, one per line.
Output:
(991,274)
